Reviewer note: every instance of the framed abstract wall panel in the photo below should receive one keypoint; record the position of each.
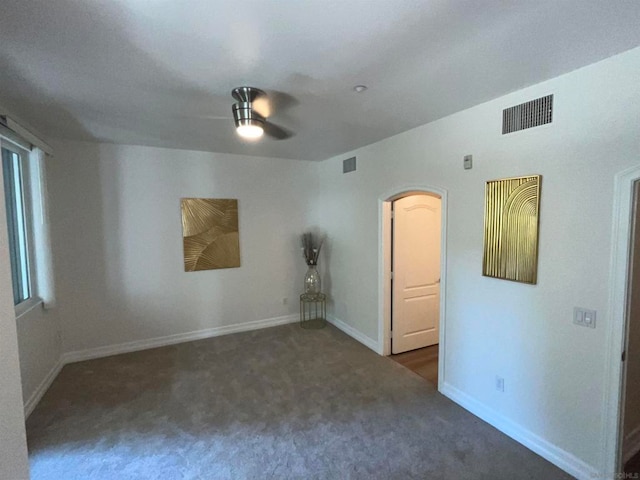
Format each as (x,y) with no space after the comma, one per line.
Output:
(511,219)
(210,233)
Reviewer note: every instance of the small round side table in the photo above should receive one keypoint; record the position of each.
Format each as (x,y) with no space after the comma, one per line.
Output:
(313,310)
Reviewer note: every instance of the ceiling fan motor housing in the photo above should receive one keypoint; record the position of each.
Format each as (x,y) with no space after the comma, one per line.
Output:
(246,94)
(249,123)
(243,114)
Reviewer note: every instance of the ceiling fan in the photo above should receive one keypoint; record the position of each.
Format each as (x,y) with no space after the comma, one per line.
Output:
(250,115)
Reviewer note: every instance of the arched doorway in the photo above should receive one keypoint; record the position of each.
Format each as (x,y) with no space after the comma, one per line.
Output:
(386,263)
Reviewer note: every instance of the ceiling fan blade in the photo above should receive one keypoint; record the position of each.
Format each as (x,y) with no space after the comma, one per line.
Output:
(276,132)
(262,106)
(273,102)
(281,101)
(205,117)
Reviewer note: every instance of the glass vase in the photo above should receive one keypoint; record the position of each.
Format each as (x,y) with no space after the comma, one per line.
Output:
(312,280)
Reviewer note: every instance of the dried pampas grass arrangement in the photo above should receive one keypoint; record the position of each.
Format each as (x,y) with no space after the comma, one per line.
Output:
(311,245)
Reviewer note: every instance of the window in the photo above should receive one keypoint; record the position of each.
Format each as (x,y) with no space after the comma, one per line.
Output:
(14,161)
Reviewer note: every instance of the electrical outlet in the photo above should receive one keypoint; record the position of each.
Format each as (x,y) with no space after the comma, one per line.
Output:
(584,317)
(500,384)
(468,162)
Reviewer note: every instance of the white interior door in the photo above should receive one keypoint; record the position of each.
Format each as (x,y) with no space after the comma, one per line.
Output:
(416,272)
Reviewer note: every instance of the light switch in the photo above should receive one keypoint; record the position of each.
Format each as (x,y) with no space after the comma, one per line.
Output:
(584,317)
(590,318)
(578,316)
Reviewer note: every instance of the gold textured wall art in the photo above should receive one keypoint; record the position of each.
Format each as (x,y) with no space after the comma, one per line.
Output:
(210,233)
(511,219)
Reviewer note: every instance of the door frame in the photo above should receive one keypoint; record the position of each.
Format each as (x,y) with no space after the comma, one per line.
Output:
(616,333)
(384,267)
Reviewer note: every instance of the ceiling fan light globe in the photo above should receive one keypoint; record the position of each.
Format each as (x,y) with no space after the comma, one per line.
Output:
(250,131)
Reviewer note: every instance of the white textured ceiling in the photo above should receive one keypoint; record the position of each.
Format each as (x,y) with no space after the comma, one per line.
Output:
(159,72)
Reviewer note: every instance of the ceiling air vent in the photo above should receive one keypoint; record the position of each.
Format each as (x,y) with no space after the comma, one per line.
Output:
(526,115)
(349,165)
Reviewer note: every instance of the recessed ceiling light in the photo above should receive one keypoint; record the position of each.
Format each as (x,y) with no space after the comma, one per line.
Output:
(360,88)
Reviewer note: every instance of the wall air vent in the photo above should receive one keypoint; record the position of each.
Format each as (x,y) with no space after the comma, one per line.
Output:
(349,165)
(526,115)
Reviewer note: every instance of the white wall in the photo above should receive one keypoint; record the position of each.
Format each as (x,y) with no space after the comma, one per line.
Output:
(13,442)
(116,229)
(553,369)
(40,349)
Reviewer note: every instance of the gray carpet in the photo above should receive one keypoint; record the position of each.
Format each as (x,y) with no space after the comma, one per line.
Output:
(271,404)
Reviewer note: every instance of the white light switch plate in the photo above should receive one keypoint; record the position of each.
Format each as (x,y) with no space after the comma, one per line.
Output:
(584,317)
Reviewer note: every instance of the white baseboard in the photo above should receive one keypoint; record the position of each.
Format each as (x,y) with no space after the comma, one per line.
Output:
(554,454)
(108,350)
(355,334)
(41,389)
(631,445)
